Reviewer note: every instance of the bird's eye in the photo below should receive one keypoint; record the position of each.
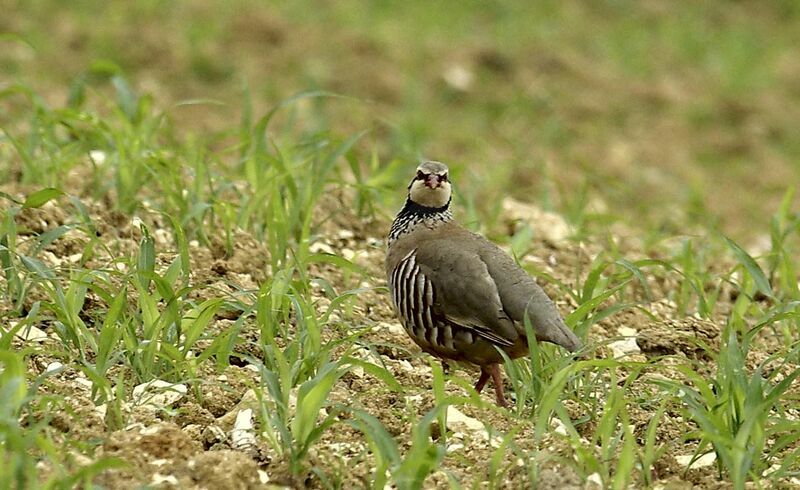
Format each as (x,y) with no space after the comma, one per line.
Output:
(443,178)
(421,175)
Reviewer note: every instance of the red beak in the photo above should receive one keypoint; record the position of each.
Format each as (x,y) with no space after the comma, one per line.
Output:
(433,181)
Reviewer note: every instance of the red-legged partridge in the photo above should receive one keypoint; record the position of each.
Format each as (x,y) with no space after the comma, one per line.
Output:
(457,294)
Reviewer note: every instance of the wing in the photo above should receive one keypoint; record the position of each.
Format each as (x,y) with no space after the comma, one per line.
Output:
(520,296)
(464,292)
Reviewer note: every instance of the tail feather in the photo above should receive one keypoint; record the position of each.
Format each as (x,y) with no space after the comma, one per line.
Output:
(557,332)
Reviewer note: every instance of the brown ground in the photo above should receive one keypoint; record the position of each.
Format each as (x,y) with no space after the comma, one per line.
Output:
(657,147)
(671,145)
(189,445)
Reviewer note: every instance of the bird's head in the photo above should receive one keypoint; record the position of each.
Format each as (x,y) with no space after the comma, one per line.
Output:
(431,186)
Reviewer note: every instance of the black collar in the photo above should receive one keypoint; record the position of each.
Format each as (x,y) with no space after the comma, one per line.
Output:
(412,207)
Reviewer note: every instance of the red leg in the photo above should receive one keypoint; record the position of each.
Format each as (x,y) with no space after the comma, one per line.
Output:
(482,380)
(497,380)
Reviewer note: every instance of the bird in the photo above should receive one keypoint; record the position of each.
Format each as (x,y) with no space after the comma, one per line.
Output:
(458,295)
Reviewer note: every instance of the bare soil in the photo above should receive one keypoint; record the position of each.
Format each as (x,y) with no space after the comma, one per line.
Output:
(189,444)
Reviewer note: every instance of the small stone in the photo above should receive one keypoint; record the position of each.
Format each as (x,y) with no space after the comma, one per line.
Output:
(594,480)
(98,157)
(242,435)
(559,427)
(162,236)
(84,383)
(51,258)
(345,234)
(249,401)
(81,459)
(458,77)
(414,399)
(101,410)
(393,328)
(405,365)
(705,460)
(458,420)
(53,367)
(451,448)
(158,394)
(159,479)
(148,431)
(550,226)
(319,247)
(28,333)
(624,347)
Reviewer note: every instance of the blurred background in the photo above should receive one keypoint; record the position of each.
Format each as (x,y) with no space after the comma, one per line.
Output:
(672,114)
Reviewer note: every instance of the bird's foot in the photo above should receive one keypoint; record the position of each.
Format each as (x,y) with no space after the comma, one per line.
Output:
(493,371)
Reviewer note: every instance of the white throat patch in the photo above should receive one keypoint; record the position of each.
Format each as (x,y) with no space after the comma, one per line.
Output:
(431,198)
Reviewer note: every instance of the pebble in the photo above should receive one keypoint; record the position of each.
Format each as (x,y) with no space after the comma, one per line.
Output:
(162,236)
(558,426)
(320,247)
(548,225)
(159,479)
(405,365)
(242,434)
(451,448)
(459,421)
(84,382)
(98,156)
(28,333)
(345,234)
(594,480)
(624,347)
(458,77)
(101,410)
(52,367)
(158,394)
(705,460)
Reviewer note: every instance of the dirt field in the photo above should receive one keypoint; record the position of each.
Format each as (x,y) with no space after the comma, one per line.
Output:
(611,148)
